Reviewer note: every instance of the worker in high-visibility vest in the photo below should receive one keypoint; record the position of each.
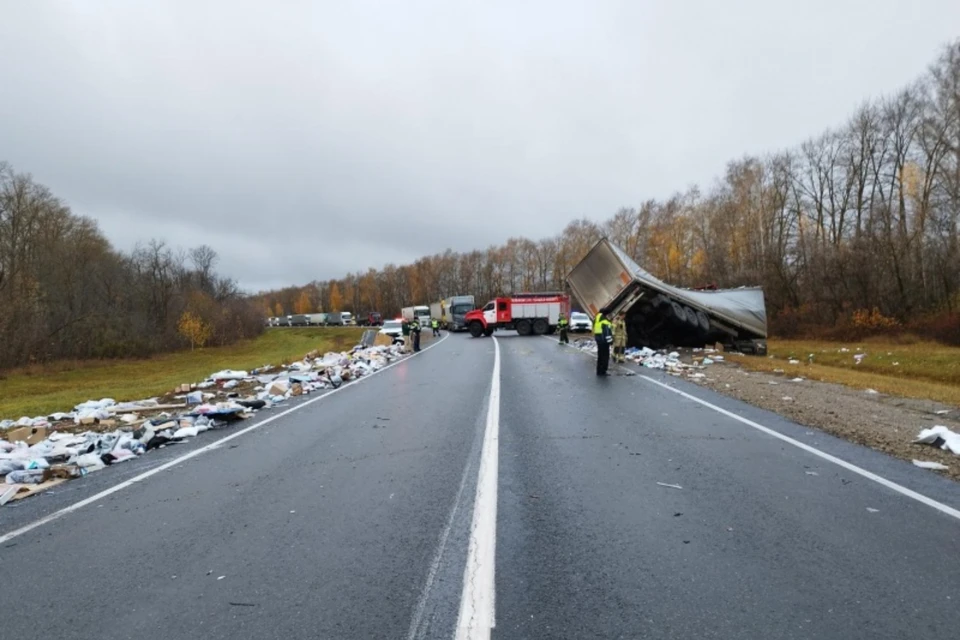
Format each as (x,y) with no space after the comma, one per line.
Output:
(603,334)
(435,325)
(563,324)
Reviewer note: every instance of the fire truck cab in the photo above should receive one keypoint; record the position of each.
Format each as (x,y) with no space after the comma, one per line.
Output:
(527,313)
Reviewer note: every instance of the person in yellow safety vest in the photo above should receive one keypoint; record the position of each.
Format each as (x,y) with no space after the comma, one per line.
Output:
(603,334)
(619,339)
(563,324)
(435,324)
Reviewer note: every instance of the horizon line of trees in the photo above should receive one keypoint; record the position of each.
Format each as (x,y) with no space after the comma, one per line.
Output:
(65,292)
(861,217)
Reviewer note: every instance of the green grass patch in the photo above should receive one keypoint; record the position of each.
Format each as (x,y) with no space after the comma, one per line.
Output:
(904,366)
(59,386)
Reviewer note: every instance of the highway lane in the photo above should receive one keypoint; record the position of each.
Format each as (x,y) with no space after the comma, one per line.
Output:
(353,517)
(324,524)
(753,545)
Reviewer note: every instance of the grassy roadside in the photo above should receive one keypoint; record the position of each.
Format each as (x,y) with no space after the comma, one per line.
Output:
(61,385)
(925,370)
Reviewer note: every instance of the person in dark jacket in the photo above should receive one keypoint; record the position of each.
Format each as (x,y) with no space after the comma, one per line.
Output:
(603,334)
(415,333)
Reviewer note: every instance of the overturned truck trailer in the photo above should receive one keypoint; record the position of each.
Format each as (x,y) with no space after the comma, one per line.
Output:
(659,314)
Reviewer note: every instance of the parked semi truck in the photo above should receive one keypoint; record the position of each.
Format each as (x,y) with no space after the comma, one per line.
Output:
(451,312)
(339,319)
(660,315)
(420,313)
(527,313)
(317,319)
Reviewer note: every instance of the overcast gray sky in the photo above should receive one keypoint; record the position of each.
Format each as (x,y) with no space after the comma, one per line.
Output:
(303,140)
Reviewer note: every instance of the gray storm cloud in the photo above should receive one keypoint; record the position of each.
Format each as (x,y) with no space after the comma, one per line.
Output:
(315,138)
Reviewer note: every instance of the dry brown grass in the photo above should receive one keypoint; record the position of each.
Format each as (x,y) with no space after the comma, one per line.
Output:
(903,366)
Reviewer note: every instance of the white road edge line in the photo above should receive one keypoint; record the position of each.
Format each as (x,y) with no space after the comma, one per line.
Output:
(193,454)
(849,466)
(919,497)
(477,603)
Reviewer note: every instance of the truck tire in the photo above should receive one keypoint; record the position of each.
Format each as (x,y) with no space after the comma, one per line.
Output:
(540,327)
(488,332)
(703,321)
(675,311)
(524,328)
(476,328)
(692,318)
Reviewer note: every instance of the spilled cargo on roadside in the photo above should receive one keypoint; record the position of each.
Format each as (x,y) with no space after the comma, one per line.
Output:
(38,453)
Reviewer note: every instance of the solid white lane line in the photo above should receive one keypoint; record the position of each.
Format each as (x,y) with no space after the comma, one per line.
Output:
(919,497)
(477,603)
(910,493)
(417,620)
(193,454)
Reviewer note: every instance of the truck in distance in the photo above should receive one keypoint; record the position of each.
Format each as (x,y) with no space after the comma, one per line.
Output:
(420,313)
(451,312)
(527,313)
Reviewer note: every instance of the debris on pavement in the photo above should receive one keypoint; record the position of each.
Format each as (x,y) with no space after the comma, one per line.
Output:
(40,452)
(941,437)
(926,464)
(671,486)
(872,510)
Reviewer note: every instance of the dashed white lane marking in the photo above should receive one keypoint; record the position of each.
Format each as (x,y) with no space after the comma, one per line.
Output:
(477,603)
(193,454)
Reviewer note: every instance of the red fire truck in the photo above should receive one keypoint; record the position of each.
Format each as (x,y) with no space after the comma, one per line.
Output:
(528,313)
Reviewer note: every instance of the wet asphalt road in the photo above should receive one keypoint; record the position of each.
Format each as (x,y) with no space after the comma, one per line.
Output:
(351,517)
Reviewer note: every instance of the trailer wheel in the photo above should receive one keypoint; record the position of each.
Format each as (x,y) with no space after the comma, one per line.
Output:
(476,328)
(540,326)
(703,321)
(691,317)
(524,328)
(675,311)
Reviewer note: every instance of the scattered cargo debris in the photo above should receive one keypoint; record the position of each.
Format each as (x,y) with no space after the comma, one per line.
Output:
(41,452)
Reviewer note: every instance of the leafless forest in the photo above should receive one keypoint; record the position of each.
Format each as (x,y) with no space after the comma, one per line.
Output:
(855,230)
(66,293)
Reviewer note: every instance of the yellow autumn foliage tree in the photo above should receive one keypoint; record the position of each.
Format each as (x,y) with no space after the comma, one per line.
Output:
(193,329)
(336,299)
(303,304)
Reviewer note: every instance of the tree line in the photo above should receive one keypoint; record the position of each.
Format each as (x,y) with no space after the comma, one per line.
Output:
(855,226)
(65,292)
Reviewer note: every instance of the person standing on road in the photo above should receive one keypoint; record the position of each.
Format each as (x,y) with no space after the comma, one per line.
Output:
(562,324)
(415,333)
(435,324)
(619,339)
(603,334)
(405,329)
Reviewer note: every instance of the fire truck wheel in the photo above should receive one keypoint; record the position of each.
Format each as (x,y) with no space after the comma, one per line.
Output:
(488,332)
(476,329)
(523,327)
(540,326)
